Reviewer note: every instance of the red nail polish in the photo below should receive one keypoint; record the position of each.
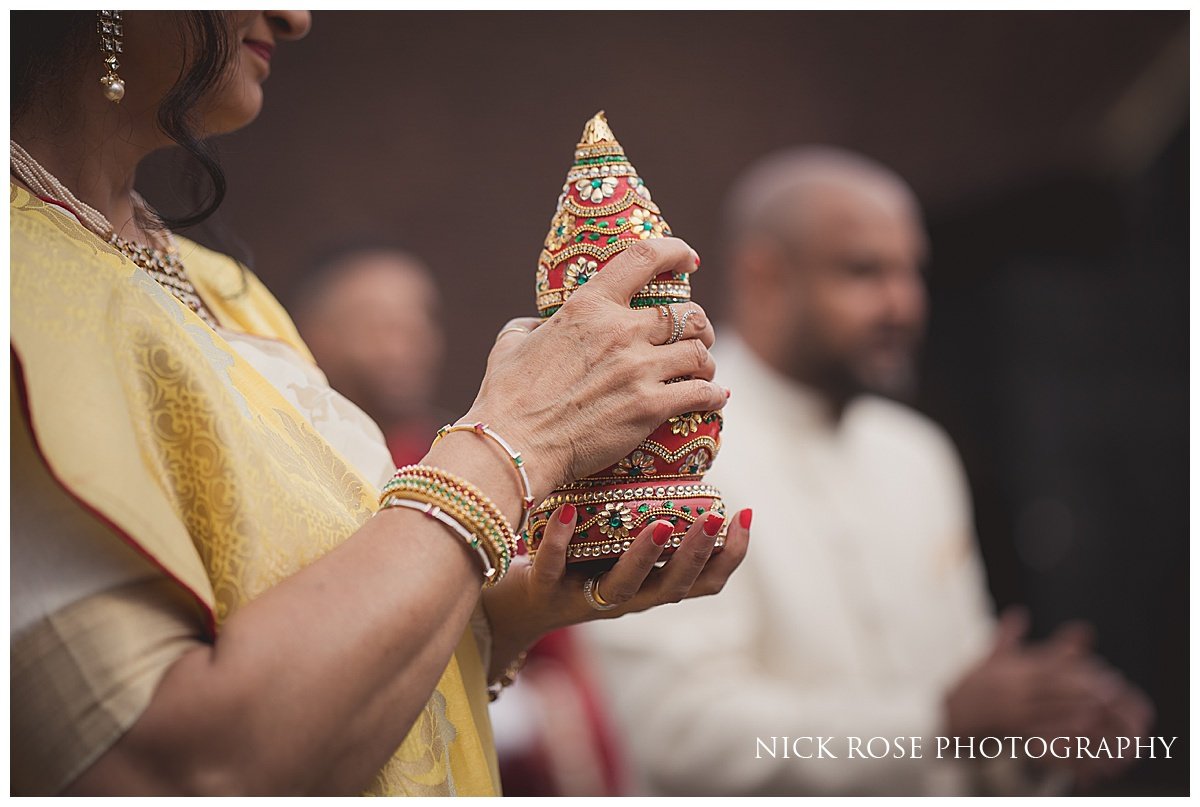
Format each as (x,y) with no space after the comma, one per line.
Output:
(744,518)
(697,259)
(728,392)
(567,514)
(662,533)
(712,524)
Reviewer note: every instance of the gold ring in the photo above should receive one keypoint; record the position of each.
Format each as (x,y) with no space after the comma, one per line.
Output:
(591,593)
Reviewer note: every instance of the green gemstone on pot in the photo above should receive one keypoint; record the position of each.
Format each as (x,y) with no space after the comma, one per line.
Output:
(645,508)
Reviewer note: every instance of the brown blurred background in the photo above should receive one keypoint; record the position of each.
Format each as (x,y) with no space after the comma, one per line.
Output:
(1050,150)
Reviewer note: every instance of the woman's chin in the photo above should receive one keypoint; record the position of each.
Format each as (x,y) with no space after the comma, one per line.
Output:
(235,112)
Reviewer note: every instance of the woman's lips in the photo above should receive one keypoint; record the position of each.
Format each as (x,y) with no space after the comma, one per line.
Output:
(261,49)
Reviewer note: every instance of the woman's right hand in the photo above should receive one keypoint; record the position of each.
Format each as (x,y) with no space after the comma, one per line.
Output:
(580,390)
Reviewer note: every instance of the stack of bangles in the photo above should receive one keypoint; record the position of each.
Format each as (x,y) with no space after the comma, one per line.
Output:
(460,506)
(514,457)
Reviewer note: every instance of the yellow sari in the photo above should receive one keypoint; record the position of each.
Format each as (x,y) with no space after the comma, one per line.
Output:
(154,423)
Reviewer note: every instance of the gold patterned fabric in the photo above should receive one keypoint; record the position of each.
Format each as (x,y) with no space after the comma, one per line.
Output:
(157,425)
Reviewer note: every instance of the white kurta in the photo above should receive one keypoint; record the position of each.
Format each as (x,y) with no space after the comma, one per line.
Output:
(862,599)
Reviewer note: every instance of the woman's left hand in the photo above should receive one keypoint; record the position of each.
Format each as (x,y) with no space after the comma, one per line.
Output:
(539,596)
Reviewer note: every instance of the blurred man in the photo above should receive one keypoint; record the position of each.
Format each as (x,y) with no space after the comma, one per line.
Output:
(862,610)
(370,316)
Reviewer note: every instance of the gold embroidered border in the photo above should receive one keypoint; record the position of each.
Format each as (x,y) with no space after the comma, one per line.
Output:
(612,208)
(598,549)
(598,150)
(575,495)
(662,452)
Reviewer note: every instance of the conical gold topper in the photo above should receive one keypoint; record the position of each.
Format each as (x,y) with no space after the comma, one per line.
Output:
(603,209)
(596,131)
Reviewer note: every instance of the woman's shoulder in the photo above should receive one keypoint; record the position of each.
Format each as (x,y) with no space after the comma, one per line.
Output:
(49,240)
(41,232)
(240,301)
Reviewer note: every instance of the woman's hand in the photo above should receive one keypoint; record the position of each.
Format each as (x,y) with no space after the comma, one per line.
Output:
(584,388)
(540,596)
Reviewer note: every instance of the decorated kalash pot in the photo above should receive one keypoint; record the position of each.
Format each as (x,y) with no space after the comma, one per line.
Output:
(604,207)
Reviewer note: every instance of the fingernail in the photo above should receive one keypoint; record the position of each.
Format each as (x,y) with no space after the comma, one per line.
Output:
(696,255)
(662,533)
(744,518)
(567,514)
(728,392)
(712,524)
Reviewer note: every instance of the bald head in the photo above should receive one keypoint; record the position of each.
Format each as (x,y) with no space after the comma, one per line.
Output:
(370,317)
(825,254)
(771,197)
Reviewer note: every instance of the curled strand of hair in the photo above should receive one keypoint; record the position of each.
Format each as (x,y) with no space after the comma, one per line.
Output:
(207,58)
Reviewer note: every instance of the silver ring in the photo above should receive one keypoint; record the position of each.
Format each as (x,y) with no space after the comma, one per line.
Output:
(675,330)
(593,596)
(680,325)
(512,329)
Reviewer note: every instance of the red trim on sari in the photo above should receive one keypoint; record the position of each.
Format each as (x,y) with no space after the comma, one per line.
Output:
(22,396)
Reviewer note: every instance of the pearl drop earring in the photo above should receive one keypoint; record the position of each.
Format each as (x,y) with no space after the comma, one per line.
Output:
(108,25)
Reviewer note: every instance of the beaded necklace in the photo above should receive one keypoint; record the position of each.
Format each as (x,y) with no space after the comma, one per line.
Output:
(164,266)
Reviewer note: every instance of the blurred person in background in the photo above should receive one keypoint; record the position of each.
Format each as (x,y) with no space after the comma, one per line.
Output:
(370,313)
(863,611)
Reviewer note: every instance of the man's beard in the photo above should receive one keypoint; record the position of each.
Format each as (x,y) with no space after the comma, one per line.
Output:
(844,379)
(898,382)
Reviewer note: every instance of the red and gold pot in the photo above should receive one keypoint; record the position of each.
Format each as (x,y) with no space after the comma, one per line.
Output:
(604,207)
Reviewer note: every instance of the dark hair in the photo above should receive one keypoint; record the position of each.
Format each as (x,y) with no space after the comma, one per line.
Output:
(49,47)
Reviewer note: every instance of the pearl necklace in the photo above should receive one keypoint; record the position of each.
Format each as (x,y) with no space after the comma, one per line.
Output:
(162,265)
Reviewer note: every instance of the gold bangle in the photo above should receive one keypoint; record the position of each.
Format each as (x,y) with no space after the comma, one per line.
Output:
(507,677)
(436,513)
(462,502)
(491,514)
(483,430)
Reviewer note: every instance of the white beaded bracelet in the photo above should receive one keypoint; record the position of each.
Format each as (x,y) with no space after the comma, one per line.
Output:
(435,512)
